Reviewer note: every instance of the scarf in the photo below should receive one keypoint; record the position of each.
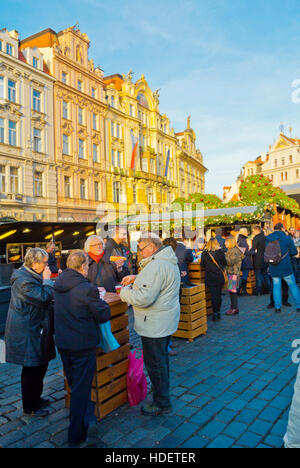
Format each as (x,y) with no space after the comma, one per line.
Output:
(96,258)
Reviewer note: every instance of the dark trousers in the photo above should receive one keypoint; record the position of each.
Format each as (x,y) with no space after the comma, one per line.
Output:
(216,297)
(285,293)
(79,373)
(156,359)
(261,280)
(234,300)
(32,387)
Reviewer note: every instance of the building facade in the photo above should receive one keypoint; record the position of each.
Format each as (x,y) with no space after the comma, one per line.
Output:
(147,164)
(191,171)
(79,111)
(28,185)
(281,165)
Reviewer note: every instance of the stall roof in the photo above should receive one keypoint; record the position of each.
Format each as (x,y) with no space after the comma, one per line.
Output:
(37,231)
(164,217)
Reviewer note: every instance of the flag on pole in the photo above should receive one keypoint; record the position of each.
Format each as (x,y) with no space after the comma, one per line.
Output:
(134,150)
(167,164)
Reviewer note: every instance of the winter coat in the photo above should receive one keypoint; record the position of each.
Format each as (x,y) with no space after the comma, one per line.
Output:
(52,263)
(78,310)
(287,246)
(213,274)
(258,243)
(105,274)
(119,250)
(28,331)
(155,295)
(184,256)
(247,261)
(234,259)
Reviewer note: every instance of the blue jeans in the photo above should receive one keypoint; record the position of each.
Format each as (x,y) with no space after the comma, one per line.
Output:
(290,280)
(156,360)
(79,373)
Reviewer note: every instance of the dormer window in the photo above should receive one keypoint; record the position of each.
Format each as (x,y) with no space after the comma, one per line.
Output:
(112,101)
(35,62)
(9,49)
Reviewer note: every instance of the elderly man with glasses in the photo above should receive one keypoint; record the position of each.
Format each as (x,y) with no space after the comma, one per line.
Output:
(154,295)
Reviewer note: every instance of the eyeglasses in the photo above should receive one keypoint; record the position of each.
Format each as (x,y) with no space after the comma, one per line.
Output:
(96,245)
(141,250)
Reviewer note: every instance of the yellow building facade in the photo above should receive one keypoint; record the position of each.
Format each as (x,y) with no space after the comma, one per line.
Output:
(79,110)
(147,164)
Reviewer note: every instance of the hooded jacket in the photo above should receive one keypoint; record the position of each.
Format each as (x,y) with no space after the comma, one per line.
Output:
(155,295)
(27,318)
(288,250)
(78,310)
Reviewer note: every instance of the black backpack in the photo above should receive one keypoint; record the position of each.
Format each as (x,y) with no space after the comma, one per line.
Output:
(273,254)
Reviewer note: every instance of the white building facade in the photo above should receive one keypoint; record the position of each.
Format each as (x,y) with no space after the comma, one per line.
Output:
(28,186)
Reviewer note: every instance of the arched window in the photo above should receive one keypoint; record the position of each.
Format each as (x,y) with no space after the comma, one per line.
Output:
(142,100)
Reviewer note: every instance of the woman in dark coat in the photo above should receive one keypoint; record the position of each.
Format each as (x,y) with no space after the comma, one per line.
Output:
(247,261)
(214,262)
(29,328)
(102,272)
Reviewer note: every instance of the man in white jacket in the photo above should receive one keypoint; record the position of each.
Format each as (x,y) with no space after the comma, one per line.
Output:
(155,300)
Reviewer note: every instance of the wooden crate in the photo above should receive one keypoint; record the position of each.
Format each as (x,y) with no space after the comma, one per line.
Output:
(193,318)
(251,282)
(109,387)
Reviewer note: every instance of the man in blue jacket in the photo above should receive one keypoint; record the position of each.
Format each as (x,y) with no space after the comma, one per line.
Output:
(78,311)
(284,269)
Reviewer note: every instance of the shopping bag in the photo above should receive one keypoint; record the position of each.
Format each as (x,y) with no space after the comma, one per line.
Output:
(2,352)
(136,380)
(233,283)
(107,340)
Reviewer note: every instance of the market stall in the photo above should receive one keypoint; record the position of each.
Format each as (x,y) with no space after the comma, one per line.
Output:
(109,388)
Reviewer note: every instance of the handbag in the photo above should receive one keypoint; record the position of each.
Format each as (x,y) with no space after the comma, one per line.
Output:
(223,271)
(233,283)
(107,340)
(136,380)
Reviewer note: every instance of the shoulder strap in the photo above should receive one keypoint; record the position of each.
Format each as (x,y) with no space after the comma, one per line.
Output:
(215,262)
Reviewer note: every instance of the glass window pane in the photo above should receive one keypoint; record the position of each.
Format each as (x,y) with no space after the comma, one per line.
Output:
(65,144)
(2,179)
(1,130)
(14,180)
(1,87)
(36,100)
(12,133)
(11,91)
(37,141)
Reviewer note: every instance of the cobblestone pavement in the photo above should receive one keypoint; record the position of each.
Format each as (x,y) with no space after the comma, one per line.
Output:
(230,388)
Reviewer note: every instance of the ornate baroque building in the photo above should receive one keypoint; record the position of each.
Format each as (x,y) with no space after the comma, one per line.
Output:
(191,171)
(281,164)
(79,111)
(146,162)
(27,166)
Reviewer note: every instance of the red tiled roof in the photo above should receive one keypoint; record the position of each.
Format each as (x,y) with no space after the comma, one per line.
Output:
(21,57)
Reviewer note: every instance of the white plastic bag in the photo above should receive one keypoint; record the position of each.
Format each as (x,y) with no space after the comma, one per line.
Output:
(2,352)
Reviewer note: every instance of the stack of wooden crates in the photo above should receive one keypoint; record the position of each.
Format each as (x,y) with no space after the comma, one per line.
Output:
(109,388)
(197,276)
(193,318)
(251,283)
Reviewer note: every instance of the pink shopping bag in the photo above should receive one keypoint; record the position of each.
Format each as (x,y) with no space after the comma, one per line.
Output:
(136,380)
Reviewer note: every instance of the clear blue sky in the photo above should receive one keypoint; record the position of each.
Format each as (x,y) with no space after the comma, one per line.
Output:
(228,63)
